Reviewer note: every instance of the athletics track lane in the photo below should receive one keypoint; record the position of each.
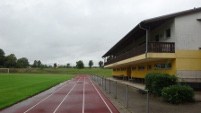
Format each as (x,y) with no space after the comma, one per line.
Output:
(79,95)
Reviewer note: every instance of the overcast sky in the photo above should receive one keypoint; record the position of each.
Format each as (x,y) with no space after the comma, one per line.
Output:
(65,31)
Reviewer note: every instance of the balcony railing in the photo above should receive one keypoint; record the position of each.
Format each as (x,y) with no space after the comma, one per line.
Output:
(161,47)
(153,47)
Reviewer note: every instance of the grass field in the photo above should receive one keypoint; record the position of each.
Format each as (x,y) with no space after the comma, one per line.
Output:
(24,83)
(94,71)
(17,87)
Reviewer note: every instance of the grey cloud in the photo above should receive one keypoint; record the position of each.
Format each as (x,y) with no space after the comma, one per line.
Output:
(64,31)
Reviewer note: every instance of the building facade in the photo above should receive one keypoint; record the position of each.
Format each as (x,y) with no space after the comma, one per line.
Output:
(168,44)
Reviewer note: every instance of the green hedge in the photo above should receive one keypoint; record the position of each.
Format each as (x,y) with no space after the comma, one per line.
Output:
(178,94)
(149,80)
(155,82)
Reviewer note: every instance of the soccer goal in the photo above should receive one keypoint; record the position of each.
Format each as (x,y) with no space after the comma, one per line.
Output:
(4,70)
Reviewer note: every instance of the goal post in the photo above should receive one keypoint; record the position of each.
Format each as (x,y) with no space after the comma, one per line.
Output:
(4,70)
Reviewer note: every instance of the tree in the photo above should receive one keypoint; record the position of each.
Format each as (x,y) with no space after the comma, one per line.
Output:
(55,65)
(79,64)
(90,63)
(39,63)
(68,65)
(45,66)
(22,62)
(35,64)
(2,58)
(10,61)
(100,63)
(42,66)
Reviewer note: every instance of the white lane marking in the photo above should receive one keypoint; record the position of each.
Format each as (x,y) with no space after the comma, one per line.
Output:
(65,97)
(44,99)
(83,97)
(101,96)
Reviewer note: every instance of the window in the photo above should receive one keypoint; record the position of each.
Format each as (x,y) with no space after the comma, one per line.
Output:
(114,69)
(133,68)
(141,67)
(163,66)
(167,33)
(148,67)
(199,48)
(157,38)
(118,69)
(123,69)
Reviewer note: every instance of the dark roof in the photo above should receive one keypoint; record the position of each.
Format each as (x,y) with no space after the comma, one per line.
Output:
(151,23)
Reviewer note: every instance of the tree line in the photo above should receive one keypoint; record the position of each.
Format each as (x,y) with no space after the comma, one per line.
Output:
(11,61)
(80,64)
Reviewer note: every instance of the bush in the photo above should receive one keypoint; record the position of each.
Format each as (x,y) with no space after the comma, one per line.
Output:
(149,79)
(155,82)
(178,94)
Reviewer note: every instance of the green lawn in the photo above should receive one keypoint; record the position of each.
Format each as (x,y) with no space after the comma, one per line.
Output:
(17,87)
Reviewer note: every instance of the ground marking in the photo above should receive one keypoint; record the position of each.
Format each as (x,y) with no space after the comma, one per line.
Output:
(101,96)
(44,99)
(83,98)
(65,97)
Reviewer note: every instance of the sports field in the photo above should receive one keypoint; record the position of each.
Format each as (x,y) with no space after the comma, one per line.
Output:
(78,95)
(17,87)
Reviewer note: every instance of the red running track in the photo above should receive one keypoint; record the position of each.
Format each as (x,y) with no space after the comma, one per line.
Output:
(79,95)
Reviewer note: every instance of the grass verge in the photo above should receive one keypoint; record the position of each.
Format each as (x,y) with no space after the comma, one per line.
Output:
(73,71)
(17,87)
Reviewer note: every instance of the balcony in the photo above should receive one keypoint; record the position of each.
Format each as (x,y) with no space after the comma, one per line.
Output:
(153,47)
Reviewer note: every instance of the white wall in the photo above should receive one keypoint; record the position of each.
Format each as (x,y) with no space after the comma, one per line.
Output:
(161,32)
(185,32)
(188,32)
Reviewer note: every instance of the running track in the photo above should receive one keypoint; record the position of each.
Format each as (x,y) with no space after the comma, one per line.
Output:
(78,95)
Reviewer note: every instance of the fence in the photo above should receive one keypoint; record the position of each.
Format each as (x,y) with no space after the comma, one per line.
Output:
(135,99)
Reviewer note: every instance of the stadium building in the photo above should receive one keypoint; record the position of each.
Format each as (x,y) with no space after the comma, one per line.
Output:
(168,44)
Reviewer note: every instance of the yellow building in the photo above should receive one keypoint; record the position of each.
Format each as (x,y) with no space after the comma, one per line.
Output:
(169,44)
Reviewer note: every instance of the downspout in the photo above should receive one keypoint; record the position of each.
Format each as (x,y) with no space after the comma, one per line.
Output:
(147,36)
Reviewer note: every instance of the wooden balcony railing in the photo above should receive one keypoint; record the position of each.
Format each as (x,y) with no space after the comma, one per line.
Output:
(153,47)
(161,47)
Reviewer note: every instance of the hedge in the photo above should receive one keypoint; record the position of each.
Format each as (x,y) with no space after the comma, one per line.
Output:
(149,79)
(155,82)
(178,94)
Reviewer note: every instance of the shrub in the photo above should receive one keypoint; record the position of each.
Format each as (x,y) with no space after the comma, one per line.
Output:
(149,79)
(155,82)
(178,94)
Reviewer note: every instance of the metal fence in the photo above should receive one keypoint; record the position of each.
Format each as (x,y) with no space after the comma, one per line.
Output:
(135,99)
